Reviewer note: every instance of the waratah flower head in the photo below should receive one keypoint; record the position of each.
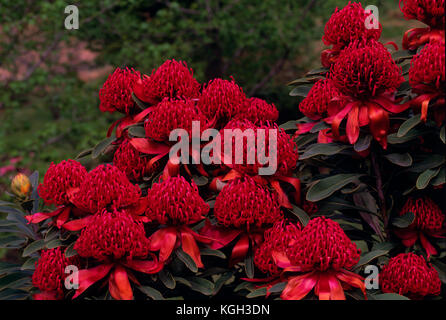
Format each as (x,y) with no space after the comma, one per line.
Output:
(366,69)
(431,12)
(408,274)
(277,238)
(428,66)
(322,245)
(173,114)
(175,202)
(222,100)
(428,215)
(287,155)
(116,93)
(130,161)
(258,111)
(58,181)
(244,204)
(112,235)
(106,186)
(173,79)
(315,105)
(349,24)
(49,274)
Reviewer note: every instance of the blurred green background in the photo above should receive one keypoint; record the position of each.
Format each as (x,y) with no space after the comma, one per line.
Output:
(50,76)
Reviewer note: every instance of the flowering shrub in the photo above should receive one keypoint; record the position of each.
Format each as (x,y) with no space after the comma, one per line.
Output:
(357,186)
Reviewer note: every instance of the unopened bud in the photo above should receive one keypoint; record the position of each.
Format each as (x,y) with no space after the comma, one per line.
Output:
(20,185)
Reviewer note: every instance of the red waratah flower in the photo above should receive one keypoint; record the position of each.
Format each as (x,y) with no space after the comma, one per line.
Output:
(221,100)
(324,253)
(119,243)
(431,12)
(258,111)
(278,238)
(59,179)
(429,221)
(172,79)
(408,274)
(315,105)
(106,186)
(177,204)
(132,162)
(60,183)
(427,79)
(173,114)
(49,274)
(344,26)
(116,93)
(368,77)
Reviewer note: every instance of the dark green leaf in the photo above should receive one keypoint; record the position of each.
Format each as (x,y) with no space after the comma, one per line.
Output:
(141,104)
(412,134)
(442,134)
(221,281)
(440,178)
(370,256)
(200,180)
(84,153)
(301,91)
(167,279)
(424,178)
(278,287)
(326,187)
(53,244)
(363,143)
(201,285)
(249,264)
(29,264)
(101,146)
(151,292)
(186,259)
(69,251)
(407,125)
(33,247)
(137,131)
(400,159)
(290,125)
(388,296)
(261,292)
(430,162)
(300,214)
(404,221)
(212,252)
(325,149)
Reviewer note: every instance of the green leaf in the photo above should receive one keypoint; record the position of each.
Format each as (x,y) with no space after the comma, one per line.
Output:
(424,178)
(167,279)
(400,159)
(141,104)
(289,125)
(84,153)
(440,178)
(370,256)
(200,180)
(261,292)
(441,269)
(301,91)
(221,281)
(69,251)
(249,264)
(151,292)
(326,187)
(411,135)
(300,214)
(402,55)
(53,244)
(212,252)
(407,125)
(201,285)
(429,162)
(388,296)
(363,143)
(33,247)
(187,260)
(443,134)
(302,81)
(318,71)
(183,281)
(325,149)
(29,264)
(11,242)
(137,131)
(101,146)
(278,287)
(404,221)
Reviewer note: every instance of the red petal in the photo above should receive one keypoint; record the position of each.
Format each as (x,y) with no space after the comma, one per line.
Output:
(337,119)
(221,236)
(163,240)
(77,224)
(145,266)
(88,277)
(353,125)
(379,123)
(119,284)
(189,246)
(63,217)
(298,287)
(240,250)
(149,147)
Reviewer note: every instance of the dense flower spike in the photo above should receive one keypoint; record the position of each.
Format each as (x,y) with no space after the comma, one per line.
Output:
(315,105)
(49,274)
(106,186)
(116,93)
(221,100)
(258,111)
(172,79)
(112,235)
(408,274)
(243,203)
(322,245)
(59,179)
(278,238)
(173,114)
(175,202)
(130,161)
(368,77)
(429,220)
(431,12)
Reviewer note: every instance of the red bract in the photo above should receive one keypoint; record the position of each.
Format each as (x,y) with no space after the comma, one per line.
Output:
(221,100)
(258,111)
(427,79)
(429,220)
(172,79)
(245,204)
(49,274)
(368,77)
(112,236)
(315,105)
(132,162)
(175,202)
(431,12)
(59,180)
(106,186)
(408,274)
(173,114)
(278,238)
(116,93)
(325,253)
